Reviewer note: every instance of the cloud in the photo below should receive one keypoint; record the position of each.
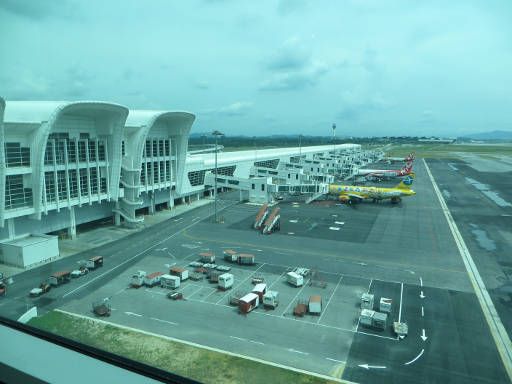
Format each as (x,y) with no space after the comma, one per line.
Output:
(238,108)
(291,67)
(76,82)
(358,104)
(291,55)
(39,10)
(295,80)
(202,85)
(25,84)
(427,117)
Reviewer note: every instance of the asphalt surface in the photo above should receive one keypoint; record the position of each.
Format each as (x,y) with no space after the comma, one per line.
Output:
(405,252)
(485,225)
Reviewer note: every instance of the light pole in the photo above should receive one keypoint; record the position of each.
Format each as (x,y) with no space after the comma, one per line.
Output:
(334,142)
(216,134)
(300,148)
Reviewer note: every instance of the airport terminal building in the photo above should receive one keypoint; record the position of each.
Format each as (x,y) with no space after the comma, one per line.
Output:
(69,163)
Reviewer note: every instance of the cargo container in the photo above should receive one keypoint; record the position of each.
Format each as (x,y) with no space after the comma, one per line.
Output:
(260,290)
(385,305)
(138,279)
(271,299)
(295,279)
(182,273)
(170,281)
(153,279)
(380,320)
(213,275)
(300,310)
(373,319)
(207,257)
(59,278)
(226,281)
(230,255)
(248,302)
(246,259)
(366,317)
(367,301)
(315,305)
(94,262)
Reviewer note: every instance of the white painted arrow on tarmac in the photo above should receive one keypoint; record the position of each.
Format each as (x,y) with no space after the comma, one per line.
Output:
(423,336)
(366,366)
(422,295)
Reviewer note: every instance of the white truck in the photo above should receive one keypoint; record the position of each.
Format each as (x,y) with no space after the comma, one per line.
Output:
(170,281)
(295,279)
(315,305)
(271,299)
(152,279)
(226,281)
(182,273)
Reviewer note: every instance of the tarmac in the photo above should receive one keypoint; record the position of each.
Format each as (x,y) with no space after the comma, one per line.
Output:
(405,252)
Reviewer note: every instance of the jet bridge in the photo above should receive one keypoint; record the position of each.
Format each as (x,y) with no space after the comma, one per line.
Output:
(262,189)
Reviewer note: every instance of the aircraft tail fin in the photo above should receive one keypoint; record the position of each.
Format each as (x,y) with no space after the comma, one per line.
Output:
(406,181)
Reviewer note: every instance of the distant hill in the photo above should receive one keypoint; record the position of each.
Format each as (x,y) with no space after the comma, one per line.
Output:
(491,135)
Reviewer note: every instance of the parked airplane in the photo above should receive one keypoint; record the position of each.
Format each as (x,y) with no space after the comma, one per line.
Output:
(355,194)
(407,159)
(386,173)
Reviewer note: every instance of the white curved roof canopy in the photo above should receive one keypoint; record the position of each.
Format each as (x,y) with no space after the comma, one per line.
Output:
(38,111)
(139,118)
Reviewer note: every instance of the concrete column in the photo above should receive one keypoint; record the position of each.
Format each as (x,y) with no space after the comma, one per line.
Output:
(151,203)
(117,216)
(198,196)
(72,223)
(10,228)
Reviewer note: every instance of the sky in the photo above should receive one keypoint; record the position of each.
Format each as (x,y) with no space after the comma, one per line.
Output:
(373,67)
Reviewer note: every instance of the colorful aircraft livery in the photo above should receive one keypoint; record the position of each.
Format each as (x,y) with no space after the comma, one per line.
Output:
(386,173)
(355,193)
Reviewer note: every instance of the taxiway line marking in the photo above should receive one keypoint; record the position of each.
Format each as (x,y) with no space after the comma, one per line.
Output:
(295,351)
(421,282)
(330,298)
(416,358)
(401,295)
(492,317)
(134,257)
(422,311)
(336,361)
(163,321)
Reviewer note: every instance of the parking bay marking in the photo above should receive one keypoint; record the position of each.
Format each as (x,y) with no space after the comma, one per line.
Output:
(242,282)
(297,320)
(330,298)
(359,318)
(295,298)
(131,258)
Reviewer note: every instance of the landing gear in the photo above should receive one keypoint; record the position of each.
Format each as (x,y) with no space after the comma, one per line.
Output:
(395,200)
